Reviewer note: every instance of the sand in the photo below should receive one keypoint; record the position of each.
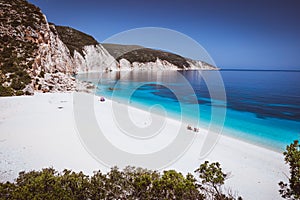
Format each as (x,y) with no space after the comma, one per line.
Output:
(40,131)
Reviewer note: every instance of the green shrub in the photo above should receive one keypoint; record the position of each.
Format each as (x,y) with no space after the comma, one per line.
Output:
(25,78)
(16,84)
(212,179)
(19,93)
(6,91)
(292,157)
(130,183)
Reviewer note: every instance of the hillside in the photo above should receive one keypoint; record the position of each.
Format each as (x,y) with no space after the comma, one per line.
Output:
(136,53)
(74,39)
(150,55)
(18,46)
(140,54)
(117,50)
(32,55)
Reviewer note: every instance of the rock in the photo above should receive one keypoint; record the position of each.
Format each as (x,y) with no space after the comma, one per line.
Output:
(124,65)
(95,59)
(29,90)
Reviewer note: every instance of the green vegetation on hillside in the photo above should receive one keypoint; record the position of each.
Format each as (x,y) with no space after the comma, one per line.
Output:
(74,39)
(130,183)
(17,50)
(151,55)
(117,50)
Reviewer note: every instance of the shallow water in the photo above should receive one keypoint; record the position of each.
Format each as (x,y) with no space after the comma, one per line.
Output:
(263,107)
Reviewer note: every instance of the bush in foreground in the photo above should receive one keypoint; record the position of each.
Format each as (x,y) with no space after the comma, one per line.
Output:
(292,157)
(130,183)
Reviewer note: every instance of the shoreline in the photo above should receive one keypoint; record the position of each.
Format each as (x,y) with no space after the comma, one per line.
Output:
(225,131)
(39,131)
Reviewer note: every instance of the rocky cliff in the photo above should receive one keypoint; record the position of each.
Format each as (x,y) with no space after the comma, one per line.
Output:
(32,55)
(87,54)
(39,56)
(134,57)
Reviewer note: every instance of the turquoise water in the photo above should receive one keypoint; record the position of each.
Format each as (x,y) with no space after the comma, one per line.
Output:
(263,107)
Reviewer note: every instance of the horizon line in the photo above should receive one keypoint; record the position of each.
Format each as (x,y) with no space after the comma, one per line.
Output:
(283,70)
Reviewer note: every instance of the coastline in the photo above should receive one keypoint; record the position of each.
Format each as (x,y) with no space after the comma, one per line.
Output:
(39,131)
(227,132)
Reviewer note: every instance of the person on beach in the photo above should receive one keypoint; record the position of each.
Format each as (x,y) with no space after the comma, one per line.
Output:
(102,99)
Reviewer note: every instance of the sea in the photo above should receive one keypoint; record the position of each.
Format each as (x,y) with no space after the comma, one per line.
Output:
(261,107)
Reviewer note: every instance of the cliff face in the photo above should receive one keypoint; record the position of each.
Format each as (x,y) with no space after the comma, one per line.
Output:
(87,54)
(52,55)
(94,59)
(133,57)
(30,51)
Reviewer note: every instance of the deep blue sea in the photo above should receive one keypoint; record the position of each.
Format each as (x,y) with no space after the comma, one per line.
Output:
(263,107)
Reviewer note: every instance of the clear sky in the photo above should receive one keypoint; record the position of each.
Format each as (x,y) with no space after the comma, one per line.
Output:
(261,34)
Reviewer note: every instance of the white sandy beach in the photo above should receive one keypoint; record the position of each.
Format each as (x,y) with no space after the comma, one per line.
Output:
(39,131)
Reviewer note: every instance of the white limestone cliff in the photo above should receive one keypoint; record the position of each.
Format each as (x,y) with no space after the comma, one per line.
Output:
(95,59)
(200,65)
(157,65)
(125,65)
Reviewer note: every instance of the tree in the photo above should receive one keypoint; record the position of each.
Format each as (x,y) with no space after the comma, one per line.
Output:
(173,185)
(211,181)
(292,157)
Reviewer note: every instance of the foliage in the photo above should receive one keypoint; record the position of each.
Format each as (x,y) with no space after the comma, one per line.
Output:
(19,20)
(6,91)
(130,183)
(173,185)
(74,39)
(150,55)
(117,50)
(292,157)
(212,179)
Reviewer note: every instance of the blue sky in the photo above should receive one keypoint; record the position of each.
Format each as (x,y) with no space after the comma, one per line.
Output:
(236,34)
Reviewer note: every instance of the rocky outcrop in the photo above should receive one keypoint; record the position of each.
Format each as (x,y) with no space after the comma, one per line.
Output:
(87,54)
(56,82)
(54,61)
(94,59)
(32,50)
(200,65)
(52,55)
